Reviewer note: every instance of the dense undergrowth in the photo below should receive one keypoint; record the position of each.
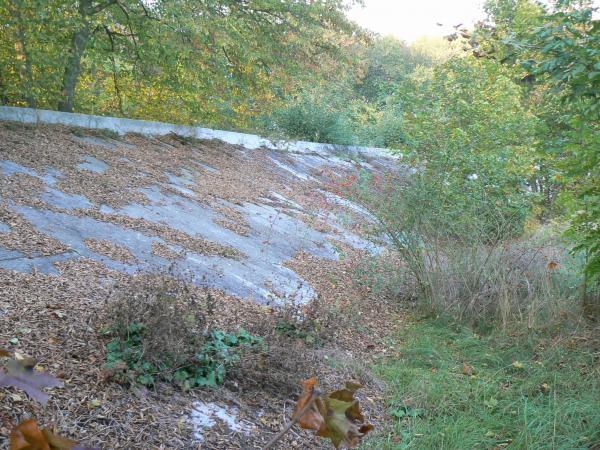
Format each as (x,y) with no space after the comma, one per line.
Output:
(451,388)
(502,350)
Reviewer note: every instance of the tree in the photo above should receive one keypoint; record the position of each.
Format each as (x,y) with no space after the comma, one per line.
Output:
(183,60)
(469,134)
(561,57)
(567,58)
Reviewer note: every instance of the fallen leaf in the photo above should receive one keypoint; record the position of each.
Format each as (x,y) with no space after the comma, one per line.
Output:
(335,416)
(467,369)
(57,442)
(94,403)
(313,418)
(25,362)
(20,375)
(27,436)
(4,352)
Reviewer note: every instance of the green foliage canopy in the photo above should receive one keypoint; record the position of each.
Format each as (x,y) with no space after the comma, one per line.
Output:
(210,62)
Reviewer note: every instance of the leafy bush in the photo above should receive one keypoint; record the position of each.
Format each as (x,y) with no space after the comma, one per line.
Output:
(387,131)
(308,331)
(312,120)
(159,332)
(558,49)
(207,367)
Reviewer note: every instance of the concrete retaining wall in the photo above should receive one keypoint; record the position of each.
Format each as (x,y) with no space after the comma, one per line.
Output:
(123,126)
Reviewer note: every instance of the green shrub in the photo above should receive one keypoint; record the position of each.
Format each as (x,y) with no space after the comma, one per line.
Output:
(207,367)
(387,131)
(307,331)
(310,120)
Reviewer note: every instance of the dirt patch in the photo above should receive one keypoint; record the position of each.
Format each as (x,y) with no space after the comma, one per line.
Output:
(348,310)
(55,321)
(22,189)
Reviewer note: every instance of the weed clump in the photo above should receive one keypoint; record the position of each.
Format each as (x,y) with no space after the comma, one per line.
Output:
(159,332)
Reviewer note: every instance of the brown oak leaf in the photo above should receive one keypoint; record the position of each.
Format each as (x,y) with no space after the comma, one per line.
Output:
(335,416)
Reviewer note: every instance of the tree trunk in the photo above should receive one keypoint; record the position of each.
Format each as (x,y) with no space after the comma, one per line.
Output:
(25,70)
(3,96)
(79,43)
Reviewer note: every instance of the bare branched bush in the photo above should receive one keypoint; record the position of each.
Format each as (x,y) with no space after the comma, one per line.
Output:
(465,254)
(171,313)
(161,330)
(313,322)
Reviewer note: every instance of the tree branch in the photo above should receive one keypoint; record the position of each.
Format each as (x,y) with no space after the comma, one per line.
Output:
(114,64)
(146,12)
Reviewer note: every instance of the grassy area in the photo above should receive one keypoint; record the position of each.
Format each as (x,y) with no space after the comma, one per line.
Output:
(453,389)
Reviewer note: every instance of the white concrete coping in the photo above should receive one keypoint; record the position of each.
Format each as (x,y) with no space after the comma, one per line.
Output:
(148,127)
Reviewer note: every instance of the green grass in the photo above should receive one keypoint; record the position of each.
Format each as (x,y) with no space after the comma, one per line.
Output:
(524,393)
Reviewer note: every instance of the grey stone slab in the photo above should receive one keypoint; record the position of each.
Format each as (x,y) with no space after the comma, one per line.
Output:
(93,165)
(274,238)
(15,260)
(97,140)
(10,168)
(52,175)
(183,182)
(61,199)
(206,167)
(298,173)
(276,234)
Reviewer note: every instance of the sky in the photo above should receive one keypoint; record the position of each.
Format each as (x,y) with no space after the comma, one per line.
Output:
(409,19)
